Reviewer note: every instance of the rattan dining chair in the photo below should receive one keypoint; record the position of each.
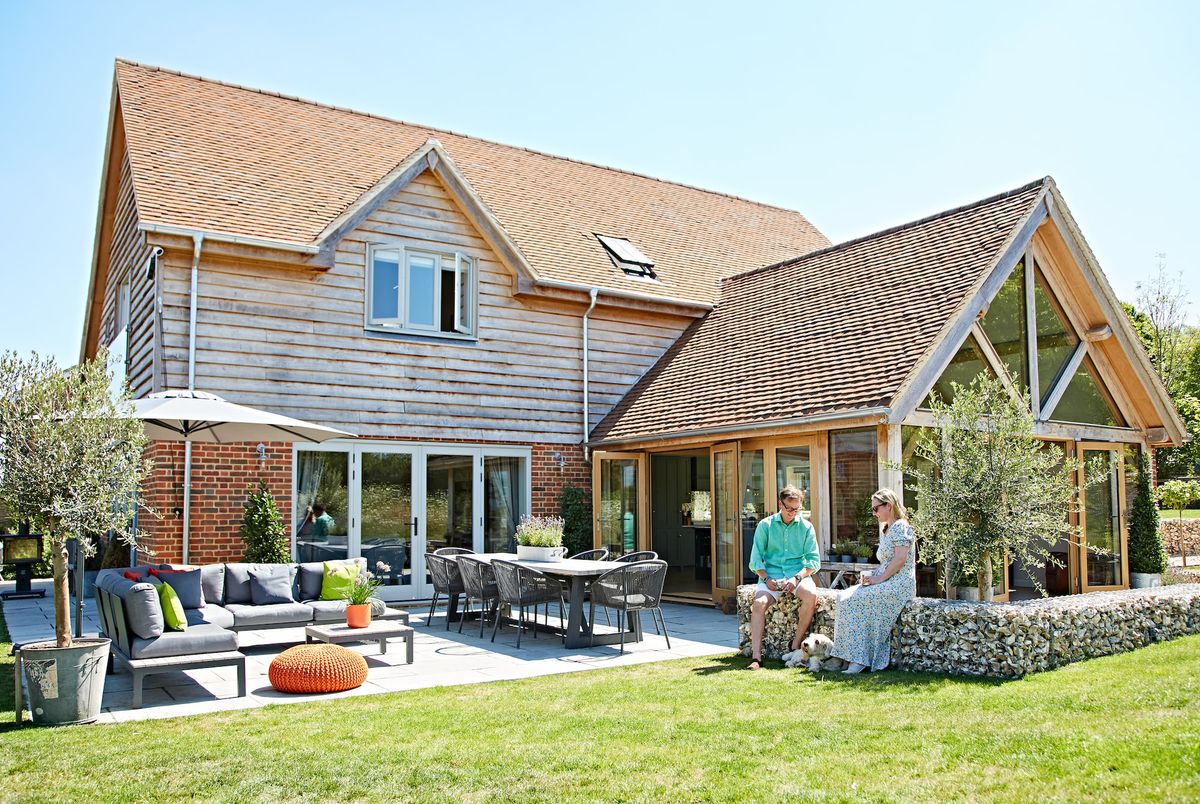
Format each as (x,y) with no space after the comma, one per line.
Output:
(446,581)
(520,587)
(599,554)
(630,588)
(642,555)
(479,583)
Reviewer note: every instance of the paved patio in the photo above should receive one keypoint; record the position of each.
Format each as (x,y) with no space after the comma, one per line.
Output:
(441,658)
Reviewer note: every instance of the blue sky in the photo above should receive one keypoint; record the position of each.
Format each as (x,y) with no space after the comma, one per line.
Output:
(861,116)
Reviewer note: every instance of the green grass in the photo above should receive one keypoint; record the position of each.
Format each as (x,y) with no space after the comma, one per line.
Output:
(1188,513)
(1122,727)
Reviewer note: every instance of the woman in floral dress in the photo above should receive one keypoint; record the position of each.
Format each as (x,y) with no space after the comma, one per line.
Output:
(862,632)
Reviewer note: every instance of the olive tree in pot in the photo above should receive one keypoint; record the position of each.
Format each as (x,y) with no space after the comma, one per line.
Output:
(70,464)
(1147,558)
(986,489)
(1177,495)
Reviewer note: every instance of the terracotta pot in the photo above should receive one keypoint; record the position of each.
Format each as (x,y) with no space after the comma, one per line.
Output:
(358,616)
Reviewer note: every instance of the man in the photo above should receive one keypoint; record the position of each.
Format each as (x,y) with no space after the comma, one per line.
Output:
(322,523)
(785,557)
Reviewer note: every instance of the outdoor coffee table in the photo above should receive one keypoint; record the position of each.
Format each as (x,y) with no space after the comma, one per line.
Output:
(378,631)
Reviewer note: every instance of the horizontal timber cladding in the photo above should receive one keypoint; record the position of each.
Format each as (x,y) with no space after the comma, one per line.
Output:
(222,475)
(293,340)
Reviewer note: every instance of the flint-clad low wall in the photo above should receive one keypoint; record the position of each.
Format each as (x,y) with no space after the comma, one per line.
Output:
(1004,640)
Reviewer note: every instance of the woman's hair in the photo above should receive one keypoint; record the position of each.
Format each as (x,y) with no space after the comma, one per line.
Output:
(888,496)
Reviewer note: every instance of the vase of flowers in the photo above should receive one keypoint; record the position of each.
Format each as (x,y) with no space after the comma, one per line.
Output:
(539,538)
(358,598)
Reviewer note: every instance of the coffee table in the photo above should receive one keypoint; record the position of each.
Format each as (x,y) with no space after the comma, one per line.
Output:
(378,631)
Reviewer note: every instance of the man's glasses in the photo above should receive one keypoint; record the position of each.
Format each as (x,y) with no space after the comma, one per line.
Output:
(790,509)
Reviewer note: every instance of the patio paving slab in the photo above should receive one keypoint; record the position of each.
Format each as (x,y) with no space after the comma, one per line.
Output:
(441,658)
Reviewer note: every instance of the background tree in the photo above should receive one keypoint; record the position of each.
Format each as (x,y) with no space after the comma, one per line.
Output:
(70,463)
(262,528)
(1146,553)
(986,489)
(1177,495)
(576,514)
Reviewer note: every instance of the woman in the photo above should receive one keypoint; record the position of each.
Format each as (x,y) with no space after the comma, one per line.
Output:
(862,632)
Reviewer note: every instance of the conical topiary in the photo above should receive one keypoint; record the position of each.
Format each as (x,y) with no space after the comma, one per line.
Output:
(262,529)
(1146,553)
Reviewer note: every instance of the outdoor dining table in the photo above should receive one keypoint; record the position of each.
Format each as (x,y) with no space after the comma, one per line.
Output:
(579,574)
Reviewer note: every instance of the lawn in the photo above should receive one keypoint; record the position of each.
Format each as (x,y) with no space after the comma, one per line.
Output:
(1188,513)
(1123,727)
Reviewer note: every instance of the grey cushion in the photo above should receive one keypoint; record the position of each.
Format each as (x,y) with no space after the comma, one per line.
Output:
(202,638)
(209,613)
(332,611)
(237,581)
(187,585)
(249,616)
(313,572)
(212,583)
(143,612)
(270,584)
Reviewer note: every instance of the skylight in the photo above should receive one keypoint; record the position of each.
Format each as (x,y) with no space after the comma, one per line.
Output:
(627,257)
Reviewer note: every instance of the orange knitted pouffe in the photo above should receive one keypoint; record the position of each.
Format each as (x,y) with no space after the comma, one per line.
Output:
(317,668)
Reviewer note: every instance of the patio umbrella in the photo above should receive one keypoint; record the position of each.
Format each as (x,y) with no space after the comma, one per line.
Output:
(191,416)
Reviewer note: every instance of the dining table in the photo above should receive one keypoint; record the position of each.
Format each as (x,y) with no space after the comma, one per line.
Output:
(578,575)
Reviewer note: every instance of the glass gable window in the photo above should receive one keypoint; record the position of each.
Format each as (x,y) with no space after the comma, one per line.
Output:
(423,292)
(1005,326)
(1085,401)
(966,365)
(1056,341)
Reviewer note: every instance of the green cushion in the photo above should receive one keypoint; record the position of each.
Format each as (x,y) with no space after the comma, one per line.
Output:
(172,608)
(337,580)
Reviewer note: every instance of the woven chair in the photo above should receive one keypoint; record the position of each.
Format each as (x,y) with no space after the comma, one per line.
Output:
(644,555)
(479,581)
(591,555)
(628,588)
(446,581)
(520,587)
(453,551)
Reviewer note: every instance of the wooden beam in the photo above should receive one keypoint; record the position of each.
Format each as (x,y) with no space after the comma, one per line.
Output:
(1097,334)
(1054,430)
(1064,380)
(1035,386)
(917,386)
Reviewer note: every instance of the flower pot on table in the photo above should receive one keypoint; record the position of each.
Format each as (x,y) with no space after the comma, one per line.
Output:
(358,615)
(540,553)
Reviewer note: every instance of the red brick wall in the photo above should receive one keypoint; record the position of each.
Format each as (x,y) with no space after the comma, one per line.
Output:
(222,473)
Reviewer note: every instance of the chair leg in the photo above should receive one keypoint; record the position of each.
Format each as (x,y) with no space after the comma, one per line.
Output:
(496,625)
(606,617)
(655,621)
(520,625)
(450,597)
(432,604)
(592,619)
(562,626)
(621,628)
(463,616)
(664,624)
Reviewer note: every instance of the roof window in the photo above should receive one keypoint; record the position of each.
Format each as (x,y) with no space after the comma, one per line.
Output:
(627,257)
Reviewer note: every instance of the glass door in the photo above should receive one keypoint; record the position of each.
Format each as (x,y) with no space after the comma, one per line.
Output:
(617,482)
(321,505)
(726,520)
(388,522)
(1101,524)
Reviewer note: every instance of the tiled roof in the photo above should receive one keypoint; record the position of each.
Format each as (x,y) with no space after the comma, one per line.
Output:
(836,330)
(221,158)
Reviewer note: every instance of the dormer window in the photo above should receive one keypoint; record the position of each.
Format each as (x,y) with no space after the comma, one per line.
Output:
(627,257)
(420,292)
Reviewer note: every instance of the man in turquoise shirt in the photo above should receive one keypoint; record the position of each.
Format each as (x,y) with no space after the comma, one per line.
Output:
(785,556)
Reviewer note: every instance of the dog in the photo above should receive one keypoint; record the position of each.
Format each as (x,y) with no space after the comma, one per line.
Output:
(813,654)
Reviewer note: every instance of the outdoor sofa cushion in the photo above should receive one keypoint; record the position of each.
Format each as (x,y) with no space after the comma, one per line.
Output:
(338,580)
(237,581)
(248,615)
(143,612)
(172,608)
(212,583)
(186,584)
(203,638)
(270,584)
(312,573)
(210,614)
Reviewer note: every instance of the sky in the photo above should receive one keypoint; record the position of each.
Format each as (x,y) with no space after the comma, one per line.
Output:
(860,115)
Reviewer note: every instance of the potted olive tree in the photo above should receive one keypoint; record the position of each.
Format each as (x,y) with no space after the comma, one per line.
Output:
(70,464)
(1177,495)
(539,538)
(1147,558)
(986,488)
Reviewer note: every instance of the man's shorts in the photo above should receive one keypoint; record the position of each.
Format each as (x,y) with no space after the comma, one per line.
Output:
(807,583)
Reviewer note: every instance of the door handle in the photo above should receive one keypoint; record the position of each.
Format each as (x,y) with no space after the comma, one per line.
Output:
(415,526)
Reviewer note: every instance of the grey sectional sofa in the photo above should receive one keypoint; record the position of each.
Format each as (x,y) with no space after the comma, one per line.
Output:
(131,616)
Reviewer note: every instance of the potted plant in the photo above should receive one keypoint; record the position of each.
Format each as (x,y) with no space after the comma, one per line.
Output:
(359,596)
(686,511)
(1177,495)
(70,465)
(844,551)
(539,538)
(1147,558)
(262,529)
(863,553)
(966,585)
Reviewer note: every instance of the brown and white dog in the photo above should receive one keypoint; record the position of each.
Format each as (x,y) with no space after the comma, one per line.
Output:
(814,655)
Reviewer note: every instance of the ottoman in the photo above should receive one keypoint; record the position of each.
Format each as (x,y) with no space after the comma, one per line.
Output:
(317,668)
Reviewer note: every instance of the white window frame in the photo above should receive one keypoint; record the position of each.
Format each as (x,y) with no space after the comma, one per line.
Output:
(466,281)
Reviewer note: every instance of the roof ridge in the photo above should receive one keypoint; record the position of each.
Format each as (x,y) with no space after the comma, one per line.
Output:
(893,230)
(319,104)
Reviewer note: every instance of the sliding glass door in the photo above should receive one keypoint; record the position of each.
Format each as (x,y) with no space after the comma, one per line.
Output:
(393,503)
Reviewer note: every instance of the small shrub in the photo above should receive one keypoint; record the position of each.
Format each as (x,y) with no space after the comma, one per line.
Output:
(540,531)
(575,509)
(262,529)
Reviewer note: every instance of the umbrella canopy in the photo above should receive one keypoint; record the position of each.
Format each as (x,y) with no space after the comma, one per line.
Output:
(203,417)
